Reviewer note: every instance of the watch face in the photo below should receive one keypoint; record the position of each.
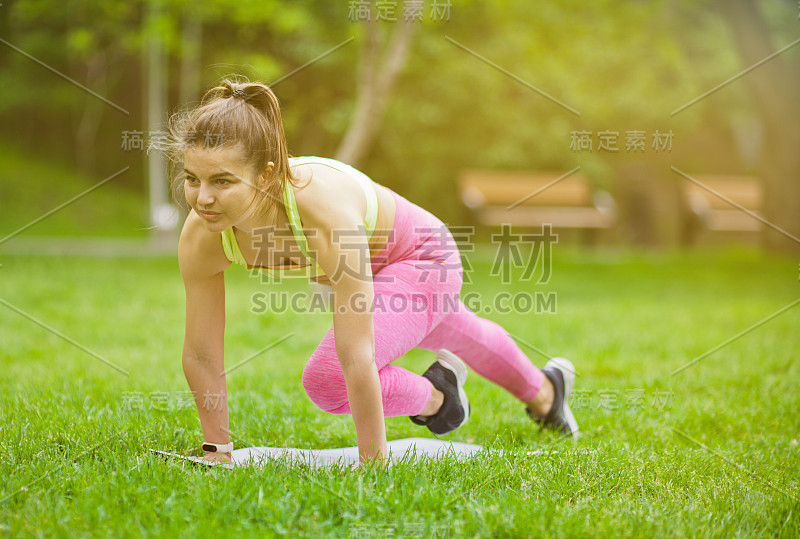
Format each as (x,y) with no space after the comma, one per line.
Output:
(210,448)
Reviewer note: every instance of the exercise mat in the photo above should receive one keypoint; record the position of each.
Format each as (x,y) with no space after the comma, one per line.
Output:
(407,450)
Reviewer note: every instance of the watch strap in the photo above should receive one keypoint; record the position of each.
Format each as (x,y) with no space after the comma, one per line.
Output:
(218,448)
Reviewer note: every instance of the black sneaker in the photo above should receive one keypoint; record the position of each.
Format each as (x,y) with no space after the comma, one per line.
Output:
(562,374)
(447,375)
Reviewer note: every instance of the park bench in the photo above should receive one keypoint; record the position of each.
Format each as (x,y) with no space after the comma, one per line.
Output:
(533,199)
(711,212)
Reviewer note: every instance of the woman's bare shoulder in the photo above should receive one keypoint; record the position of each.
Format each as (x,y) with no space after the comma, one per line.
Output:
(200,252)
(323,191)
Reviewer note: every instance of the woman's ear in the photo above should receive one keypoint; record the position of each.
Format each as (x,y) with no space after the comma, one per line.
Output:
(267,174)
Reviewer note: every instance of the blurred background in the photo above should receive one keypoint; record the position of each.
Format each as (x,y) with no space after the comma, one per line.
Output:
(662,124)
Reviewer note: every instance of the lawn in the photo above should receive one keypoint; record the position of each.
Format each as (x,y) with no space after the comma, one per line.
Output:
(35,186)
(711,450)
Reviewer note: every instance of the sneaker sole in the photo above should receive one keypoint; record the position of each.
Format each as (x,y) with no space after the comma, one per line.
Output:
(451,361)
(568,372)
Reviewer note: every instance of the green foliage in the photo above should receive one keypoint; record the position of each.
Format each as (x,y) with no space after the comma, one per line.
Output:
(624,65)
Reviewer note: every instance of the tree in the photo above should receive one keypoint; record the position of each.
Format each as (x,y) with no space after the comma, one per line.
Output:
(775,87)
(376,78)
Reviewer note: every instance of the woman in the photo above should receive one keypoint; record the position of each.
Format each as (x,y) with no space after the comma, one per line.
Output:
(393,268)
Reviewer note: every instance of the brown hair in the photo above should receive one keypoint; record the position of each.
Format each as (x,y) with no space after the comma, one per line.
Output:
(236,112)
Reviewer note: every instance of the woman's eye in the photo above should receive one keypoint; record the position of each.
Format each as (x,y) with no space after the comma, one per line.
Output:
(224,182)
(191,180)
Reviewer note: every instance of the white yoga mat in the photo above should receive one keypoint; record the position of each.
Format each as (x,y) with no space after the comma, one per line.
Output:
(407,449)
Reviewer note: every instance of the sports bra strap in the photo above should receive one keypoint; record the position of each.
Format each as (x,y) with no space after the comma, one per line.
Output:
(294,221)
(231,247)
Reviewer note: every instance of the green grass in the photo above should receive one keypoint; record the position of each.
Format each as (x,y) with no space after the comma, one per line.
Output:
(31,187)
(711,451)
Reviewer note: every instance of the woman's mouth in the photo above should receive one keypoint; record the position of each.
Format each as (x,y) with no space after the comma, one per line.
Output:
(209,215)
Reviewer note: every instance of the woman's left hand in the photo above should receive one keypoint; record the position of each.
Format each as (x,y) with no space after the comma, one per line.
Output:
(218,457)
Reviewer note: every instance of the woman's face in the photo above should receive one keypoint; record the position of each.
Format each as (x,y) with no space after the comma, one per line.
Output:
(220,188)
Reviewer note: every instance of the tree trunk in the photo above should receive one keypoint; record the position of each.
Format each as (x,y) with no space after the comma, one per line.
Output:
(86,133)
(374,87)
(161,220)
(775,87)
(189,91)
(191,46)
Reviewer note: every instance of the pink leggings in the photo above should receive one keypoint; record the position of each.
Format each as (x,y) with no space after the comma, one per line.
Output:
(417,279)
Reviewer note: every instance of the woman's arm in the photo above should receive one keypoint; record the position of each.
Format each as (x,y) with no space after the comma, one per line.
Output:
(203,347)
(342,252)
(355,347)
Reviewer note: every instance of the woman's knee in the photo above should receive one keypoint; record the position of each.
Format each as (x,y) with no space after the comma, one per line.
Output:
(324,383)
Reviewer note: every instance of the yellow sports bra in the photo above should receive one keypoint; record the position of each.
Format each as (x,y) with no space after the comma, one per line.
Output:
(234,254)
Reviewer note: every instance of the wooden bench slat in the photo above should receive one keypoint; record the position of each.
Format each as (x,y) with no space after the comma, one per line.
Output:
(504,188)
(744,190)
(559,217)
(722,220)
(537,200)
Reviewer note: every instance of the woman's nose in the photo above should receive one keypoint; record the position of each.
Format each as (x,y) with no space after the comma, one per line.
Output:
(205,196)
